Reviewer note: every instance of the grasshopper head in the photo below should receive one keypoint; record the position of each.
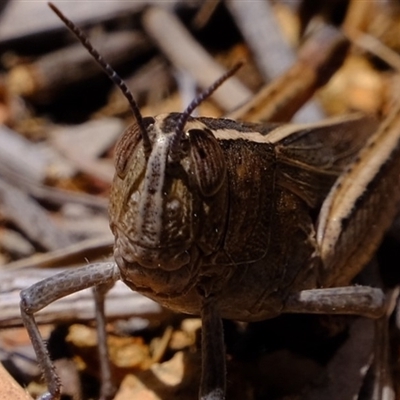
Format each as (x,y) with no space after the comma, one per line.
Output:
(169,198)
(167,205)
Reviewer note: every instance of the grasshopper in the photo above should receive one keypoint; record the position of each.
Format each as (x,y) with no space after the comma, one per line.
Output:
(235,220)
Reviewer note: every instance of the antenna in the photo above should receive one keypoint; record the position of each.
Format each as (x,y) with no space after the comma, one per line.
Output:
(180,125)
(111,74)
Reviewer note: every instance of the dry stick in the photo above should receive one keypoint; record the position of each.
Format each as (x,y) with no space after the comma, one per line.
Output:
(381,372)
(344,372)
(204,14)
(83,224)
(150,84)
(31,218)
(25,164)
(22,156)
(44,78)
(27,161)
(76,145)
(359,17)
(374,46)
(12,242)
(55,195)
(76,253)
(272,53)
(256,21)
(317,61)
(90,139)
(75,307)
(21,18)
(360,14)
(185,53)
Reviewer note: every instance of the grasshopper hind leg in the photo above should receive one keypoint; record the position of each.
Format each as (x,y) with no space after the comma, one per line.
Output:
(41,294)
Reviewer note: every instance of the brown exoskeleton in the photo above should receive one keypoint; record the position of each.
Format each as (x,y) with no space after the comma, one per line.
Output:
(239,220)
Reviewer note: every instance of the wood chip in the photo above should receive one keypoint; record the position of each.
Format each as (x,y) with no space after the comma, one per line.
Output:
(165,381)
(9,389)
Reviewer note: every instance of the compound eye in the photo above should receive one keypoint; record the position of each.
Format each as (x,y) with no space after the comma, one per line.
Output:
(207,161)
(126,146)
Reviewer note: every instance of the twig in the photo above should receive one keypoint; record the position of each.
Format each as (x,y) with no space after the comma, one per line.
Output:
(318,59)
(46,77)
(75,307)
(52,194)
(89,249)
(185,53)
(77,145)
(31,218)
(149,84)
(22,156)
(263,35)
(374,46)
(344,372)
(22,18)
(205,13)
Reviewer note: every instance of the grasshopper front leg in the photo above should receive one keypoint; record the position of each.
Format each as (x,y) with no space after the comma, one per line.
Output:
(107,389)
(213,381)
(49,290)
